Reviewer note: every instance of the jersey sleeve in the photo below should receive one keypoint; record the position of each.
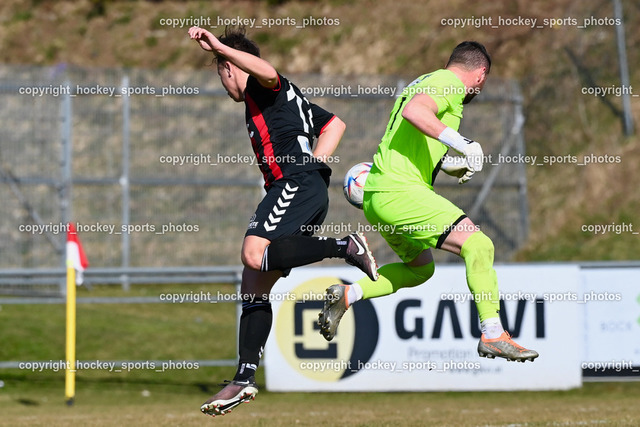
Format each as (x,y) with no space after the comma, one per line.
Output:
(321,118)
(256,90)
(452,97)
(445,91)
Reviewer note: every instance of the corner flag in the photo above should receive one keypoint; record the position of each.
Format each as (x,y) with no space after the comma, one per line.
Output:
(76,257)
(76,262)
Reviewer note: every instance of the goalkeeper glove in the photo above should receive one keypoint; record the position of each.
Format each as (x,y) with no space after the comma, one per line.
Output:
(471,150)
(456,166)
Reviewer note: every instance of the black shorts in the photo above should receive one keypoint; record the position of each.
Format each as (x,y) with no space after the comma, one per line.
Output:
(293,205)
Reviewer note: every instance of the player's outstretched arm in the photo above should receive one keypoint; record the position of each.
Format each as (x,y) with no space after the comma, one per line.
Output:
(329,139)
(262,70)
(200,36)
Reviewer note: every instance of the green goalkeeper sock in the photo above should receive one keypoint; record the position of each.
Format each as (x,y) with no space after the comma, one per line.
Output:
(477,252)
(393,277)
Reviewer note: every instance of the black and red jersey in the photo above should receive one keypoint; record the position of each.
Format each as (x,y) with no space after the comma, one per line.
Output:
(283,125)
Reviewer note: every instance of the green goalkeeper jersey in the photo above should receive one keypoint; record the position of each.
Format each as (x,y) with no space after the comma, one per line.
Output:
(406,157)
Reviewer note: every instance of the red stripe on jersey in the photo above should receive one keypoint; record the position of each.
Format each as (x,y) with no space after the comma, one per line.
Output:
(265,138)
(277,87)
(325,126)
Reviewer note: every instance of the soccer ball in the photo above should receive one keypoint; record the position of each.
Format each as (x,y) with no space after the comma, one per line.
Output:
(354,181)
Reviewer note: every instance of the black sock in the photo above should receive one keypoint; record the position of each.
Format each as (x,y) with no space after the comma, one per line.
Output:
(255,324)
(287,252)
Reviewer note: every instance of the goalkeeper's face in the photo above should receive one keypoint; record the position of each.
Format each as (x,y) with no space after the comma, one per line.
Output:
(479,79)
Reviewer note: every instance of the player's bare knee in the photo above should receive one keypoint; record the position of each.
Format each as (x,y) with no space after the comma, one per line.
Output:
(252,253)
(251,259)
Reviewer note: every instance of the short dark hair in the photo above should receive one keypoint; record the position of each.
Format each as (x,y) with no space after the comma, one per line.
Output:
(471,55)
(236,38)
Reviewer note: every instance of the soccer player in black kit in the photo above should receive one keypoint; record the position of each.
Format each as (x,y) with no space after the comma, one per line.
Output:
(290,138)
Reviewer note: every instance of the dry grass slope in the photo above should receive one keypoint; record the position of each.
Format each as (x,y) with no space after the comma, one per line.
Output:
(404,38)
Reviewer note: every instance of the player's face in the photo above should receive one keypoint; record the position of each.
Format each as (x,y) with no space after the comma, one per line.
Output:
(229,82)
(472,91)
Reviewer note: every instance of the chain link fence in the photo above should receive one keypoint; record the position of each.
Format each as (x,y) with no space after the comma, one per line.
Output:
(155,167)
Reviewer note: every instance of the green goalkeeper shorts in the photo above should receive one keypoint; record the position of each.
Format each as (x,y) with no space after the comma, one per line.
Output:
(411,221)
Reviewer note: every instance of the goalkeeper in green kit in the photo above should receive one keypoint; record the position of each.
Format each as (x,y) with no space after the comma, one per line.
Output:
(399,192)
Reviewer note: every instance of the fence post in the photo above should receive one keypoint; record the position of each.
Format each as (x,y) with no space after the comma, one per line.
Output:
(523,235)
(65,189)
(627,119)
(124,179)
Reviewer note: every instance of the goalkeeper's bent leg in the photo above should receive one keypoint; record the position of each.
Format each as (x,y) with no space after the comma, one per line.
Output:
(393,277)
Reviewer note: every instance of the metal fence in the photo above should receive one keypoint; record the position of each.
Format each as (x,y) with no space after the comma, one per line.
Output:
(154,166)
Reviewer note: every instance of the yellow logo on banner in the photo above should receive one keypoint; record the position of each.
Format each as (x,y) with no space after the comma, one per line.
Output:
(305,349)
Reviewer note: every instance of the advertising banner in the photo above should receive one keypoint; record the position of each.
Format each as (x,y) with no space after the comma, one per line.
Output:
(425,338)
